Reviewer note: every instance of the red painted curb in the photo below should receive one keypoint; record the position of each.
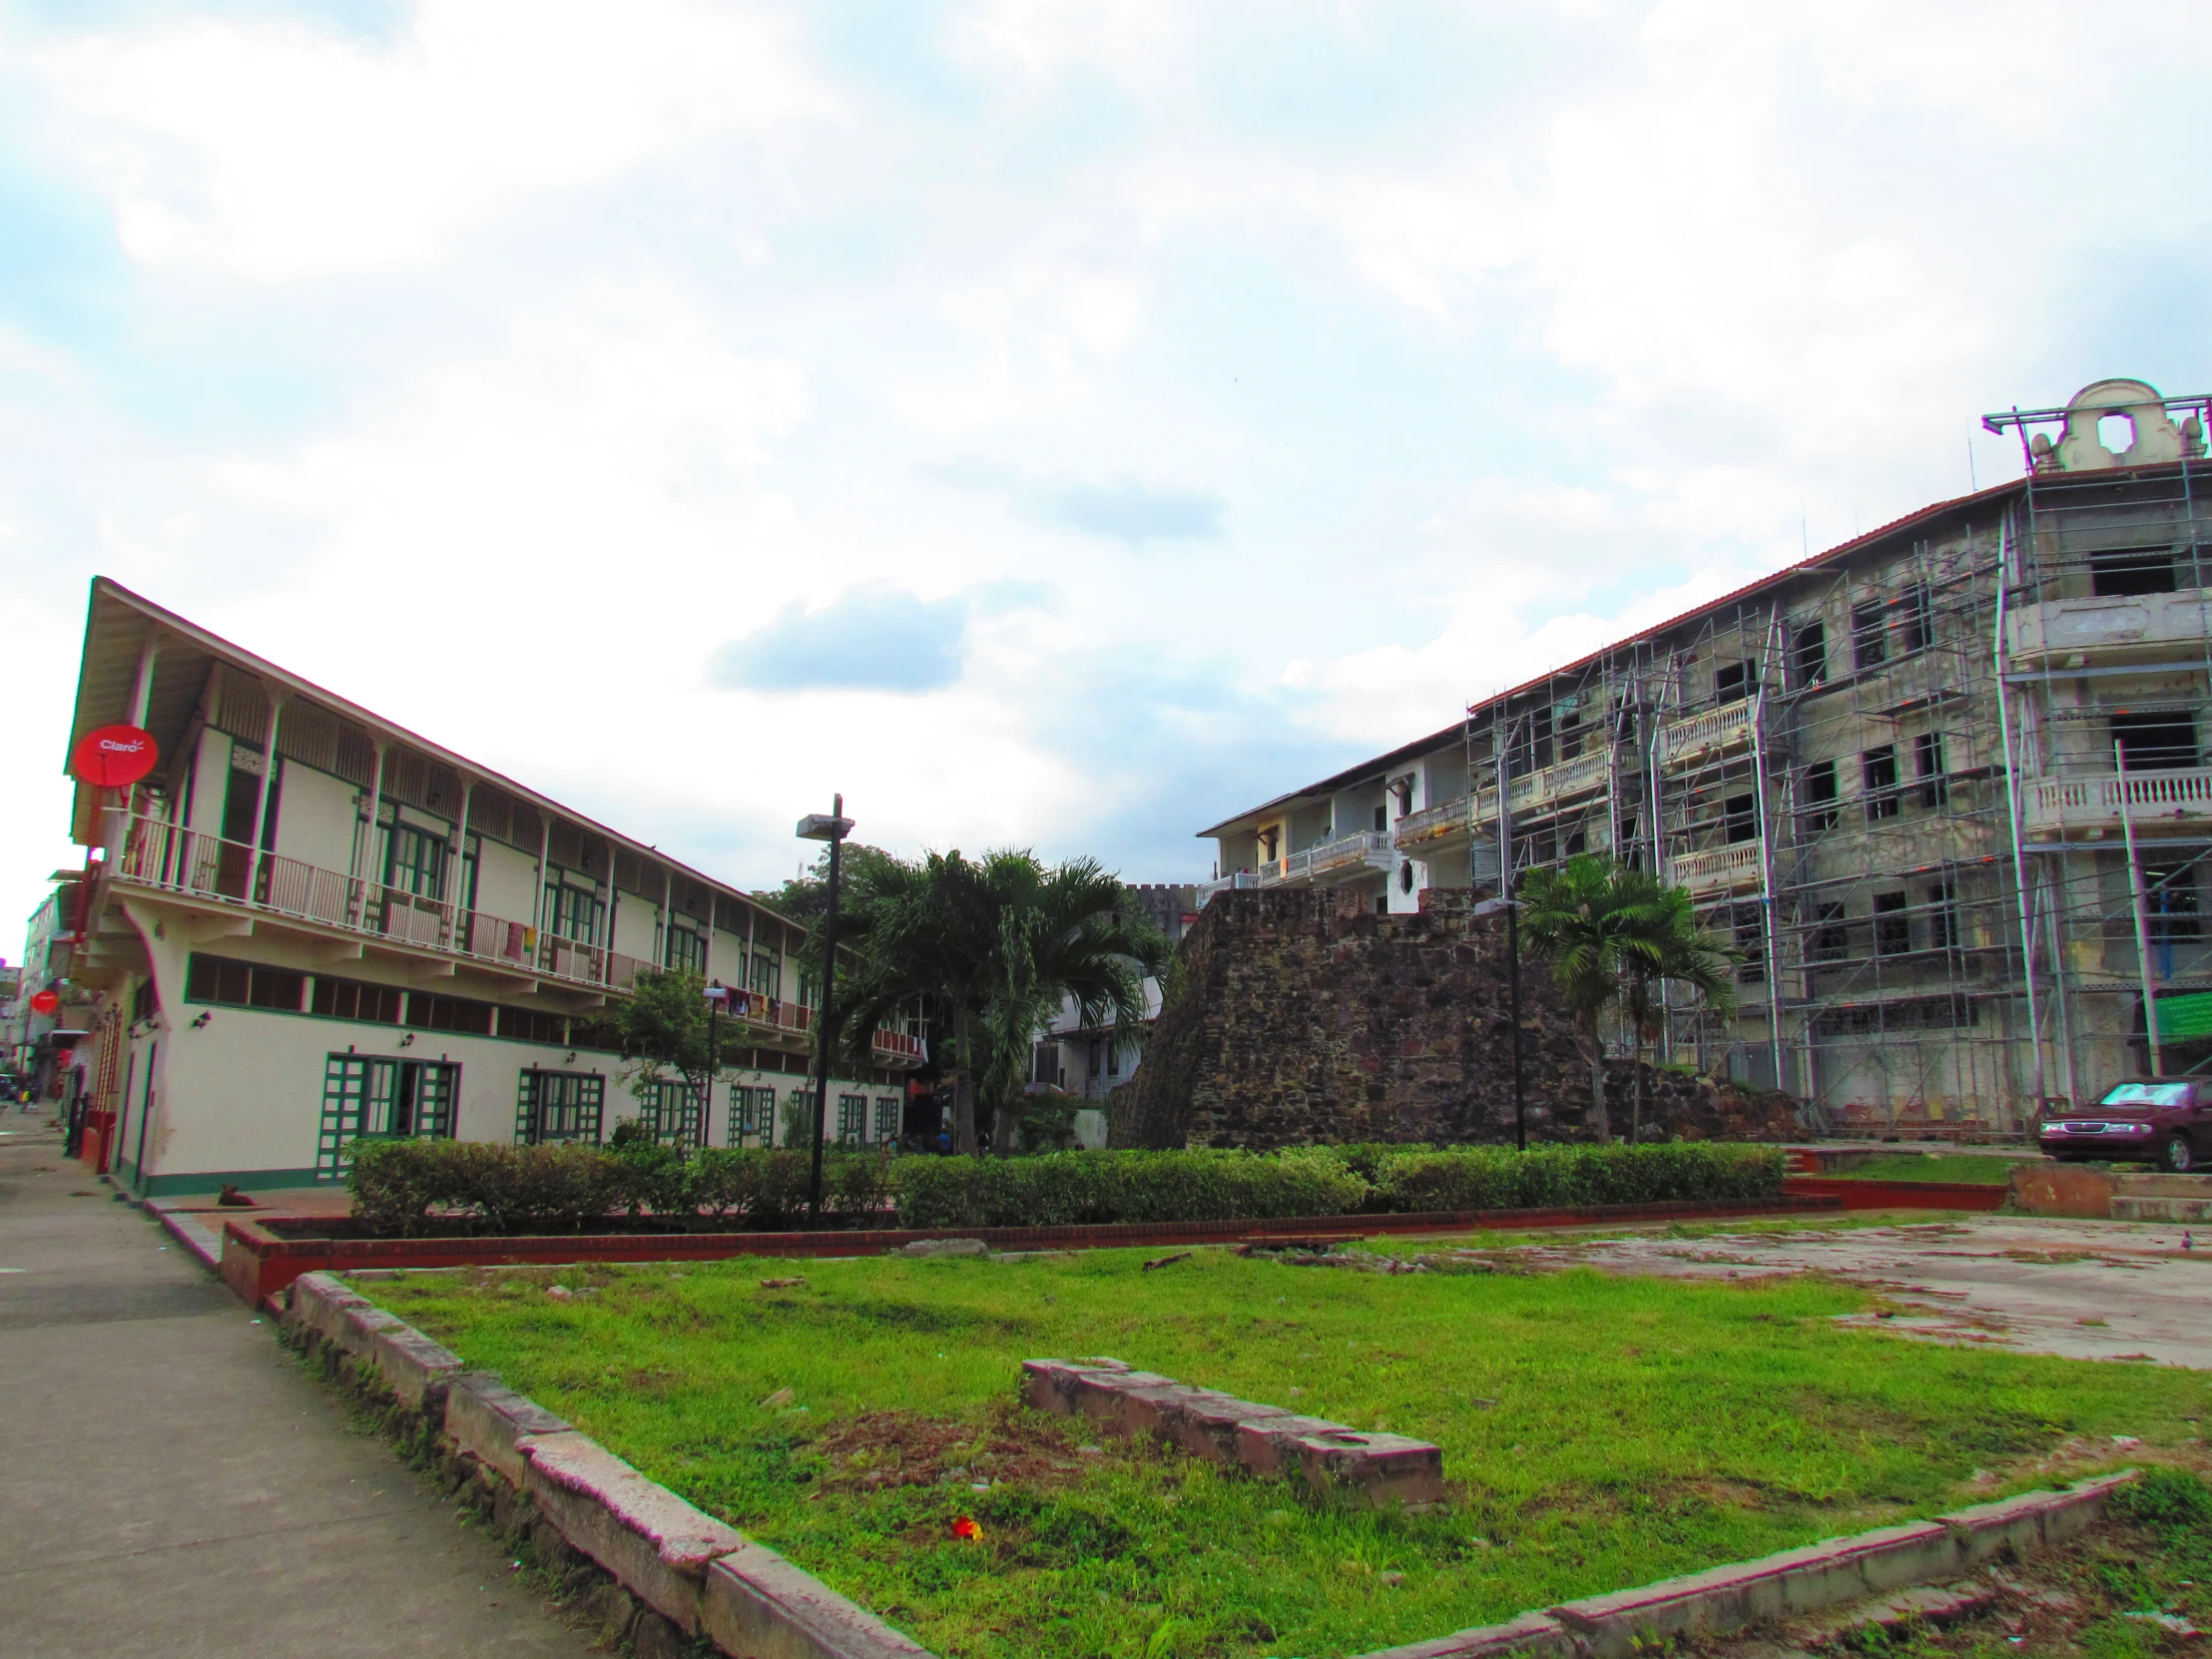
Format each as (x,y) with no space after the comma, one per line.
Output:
(1898,1195)
(264,1254)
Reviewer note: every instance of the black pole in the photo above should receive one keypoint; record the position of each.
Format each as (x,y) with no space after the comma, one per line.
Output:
(1512,978)
(713,1062)
(1503,742)
(826,1018)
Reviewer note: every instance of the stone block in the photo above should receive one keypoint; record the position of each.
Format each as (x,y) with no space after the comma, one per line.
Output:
(1269,1446)
(415,1368)
(757,1605)
(651,1541)
(485,1418)
(1378,1470)
(1533,1633)
(1049,1384)
(359,1324)
(1099,1395)
(1211,1428)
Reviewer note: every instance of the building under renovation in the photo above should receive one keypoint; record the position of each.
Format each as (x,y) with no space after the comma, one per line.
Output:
(1943,787)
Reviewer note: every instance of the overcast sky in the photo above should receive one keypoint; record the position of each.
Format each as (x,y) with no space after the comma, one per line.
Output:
(1060,423)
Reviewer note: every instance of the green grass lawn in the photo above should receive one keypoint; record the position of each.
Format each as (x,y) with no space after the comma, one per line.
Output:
(1936,1166)
(1603,1432)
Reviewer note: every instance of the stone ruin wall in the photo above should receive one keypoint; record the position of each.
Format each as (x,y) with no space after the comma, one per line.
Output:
(1302,1016)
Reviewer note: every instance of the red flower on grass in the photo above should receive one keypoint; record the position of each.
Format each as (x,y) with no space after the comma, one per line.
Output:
(966,1528)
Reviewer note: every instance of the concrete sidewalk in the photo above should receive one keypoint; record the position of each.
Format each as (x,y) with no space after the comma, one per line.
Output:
(172,1483)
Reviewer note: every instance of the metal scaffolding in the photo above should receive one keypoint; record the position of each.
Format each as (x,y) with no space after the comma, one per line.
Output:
(1856,777)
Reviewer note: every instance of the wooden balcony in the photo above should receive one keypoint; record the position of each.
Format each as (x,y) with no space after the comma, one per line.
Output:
(215,875)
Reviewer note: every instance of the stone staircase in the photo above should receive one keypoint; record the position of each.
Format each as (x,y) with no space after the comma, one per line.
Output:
(2162,1198)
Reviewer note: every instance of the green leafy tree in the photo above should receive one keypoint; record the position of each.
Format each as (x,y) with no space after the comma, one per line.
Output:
(663,1027)
(1612,937)
(992,947)
(805,898)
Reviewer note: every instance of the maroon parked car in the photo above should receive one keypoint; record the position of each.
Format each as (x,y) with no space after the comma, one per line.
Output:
(2162,1120)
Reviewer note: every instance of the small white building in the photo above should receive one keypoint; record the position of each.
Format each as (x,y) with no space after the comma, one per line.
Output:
(310,924)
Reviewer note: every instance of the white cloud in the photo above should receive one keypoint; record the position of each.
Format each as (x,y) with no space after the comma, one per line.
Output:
(498,370)
(281,151)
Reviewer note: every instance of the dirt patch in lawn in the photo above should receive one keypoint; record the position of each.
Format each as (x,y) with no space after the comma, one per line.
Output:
(880,1449)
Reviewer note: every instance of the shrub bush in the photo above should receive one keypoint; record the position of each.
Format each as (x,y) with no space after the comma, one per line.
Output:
(1553,1177)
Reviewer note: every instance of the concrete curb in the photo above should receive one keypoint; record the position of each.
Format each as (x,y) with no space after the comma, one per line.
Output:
(1330,1458)
(203,1242)
(697,1572)
(487,1420)
(1726,1599)
(657,1546)
(264,1252)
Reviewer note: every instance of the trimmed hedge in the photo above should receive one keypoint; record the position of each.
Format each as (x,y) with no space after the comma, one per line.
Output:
(1559,1177)
(403,1189)
(407,1189)
(1061,1188)
(1065,1188)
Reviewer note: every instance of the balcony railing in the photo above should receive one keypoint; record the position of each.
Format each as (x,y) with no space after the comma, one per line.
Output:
(1562,779)
(1740,865)
(2054,808)
(1226,883)
(2109,625)
(1715,730)
(199,865)
(1435,829)
(1350,857)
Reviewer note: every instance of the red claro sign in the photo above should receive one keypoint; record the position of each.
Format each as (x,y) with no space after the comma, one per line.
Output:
(112,757)
(44,1002)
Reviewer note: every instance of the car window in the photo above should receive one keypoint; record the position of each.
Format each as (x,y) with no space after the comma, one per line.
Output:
(2147,1094)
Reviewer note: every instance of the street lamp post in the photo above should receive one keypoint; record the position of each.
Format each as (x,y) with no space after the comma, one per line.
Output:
(717,994)
(832,828)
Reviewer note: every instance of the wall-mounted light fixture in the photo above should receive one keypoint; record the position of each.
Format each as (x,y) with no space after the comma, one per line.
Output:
(409,1038)
(571,1060)
(205,1016)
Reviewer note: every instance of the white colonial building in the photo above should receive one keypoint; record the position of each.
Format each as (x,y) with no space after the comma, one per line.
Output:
(309,925)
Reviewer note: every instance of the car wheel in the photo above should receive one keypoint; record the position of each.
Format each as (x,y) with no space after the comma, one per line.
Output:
(2180,1156)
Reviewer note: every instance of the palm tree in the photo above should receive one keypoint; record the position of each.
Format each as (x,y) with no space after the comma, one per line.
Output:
(1663,942)
(1614,934)
(994,948)
(1572,919)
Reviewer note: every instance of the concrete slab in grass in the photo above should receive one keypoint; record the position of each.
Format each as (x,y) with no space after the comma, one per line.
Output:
(1331,1458)
(1817,1578)
(2031,1521)
(658,1545)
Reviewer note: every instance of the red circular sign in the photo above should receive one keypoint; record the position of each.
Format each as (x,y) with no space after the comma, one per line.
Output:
(113,757)
(44,1002)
